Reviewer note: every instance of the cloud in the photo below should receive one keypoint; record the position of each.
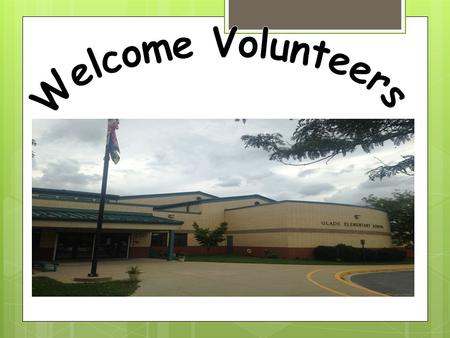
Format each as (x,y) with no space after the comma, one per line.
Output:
(75,131)
(348,169)
(307,172)
(67,174)
(383,188)
(229,182)
(313,189)
(259,177)
(388,182)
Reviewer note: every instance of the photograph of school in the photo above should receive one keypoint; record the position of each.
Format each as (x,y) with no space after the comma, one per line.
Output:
(243,208)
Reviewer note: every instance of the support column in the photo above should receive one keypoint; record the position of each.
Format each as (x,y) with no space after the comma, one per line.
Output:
(171,245)
(55,247)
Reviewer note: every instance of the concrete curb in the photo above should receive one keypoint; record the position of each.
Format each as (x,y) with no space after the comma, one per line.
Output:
(92,279)
(320,285)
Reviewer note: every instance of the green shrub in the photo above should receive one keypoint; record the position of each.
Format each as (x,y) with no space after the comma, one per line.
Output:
(348,253)
(134,270)
(325,253)
(391,254)
(372,255)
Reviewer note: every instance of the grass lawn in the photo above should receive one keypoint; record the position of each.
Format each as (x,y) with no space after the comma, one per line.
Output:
(44,286)
(262,260)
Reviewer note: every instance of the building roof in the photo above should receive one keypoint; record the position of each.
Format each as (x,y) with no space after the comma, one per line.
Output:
(45,192)
(167,195)
(80,195)
(63,194)
(306,202)
(213,200)
(87,215)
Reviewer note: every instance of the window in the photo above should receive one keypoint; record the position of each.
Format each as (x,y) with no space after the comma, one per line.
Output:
(159,239)
(180,239)
(74,245)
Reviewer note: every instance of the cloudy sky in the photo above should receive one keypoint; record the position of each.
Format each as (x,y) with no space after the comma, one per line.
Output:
(160,156)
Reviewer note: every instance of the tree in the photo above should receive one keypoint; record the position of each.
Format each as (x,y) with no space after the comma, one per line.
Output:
(400,209)
(323,139)
(210,238)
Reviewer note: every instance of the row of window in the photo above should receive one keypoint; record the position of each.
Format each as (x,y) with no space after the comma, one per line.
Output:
(160,239)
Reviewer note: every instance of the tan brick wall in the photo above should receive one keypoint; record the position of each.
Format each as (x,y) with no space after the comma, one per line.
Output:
(268,216)
(165,199)
(106,225)
(192,208)
(211,215)
(261,240)
(37,202)
(214,213)
(311,224)
(312,240)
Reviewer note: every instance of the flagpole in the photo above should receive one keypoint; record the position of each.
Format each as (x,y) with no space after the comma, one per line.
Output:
(101,210)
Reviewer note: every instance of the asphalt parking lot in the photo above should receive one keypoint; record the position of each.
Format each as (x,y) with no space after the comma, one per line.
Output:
(400,283)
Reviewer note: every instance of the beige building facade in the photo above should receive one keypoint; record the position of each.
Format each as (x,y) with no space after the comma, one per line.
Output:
(149,225)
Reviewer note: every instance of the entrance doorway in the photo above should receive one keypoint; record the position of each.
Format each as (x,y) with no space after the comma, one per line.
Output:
(229,245)
(74,245)
(159,239)
(113,245)
(78,245)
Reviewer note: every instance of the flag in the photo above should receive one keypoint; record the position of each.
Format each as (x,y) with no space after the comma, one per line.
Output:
(114,151)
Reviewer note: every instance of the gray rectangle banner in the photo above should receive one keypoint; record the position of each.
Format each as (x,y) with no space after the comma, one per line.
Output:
(315,14)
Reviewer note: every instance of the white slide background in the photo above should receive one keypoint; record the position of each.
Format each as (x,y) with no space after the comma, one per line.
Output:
(209,86)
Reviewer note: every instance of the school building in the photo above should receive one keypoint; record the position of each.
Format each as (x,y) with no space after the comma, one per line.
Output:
(152,225)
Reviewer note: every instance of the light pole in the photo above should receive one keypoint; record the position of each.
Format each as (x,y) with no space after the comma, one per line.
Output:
(363,241)
(98,231)
(111,151)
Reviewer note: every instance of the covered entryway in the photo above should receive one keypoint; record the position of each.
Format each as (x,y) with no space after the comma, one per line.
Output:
(68,234)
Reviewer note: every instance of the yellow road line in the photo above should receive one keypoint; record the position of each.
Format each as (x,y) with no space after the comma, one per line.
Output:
(309,278)
(340,276)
